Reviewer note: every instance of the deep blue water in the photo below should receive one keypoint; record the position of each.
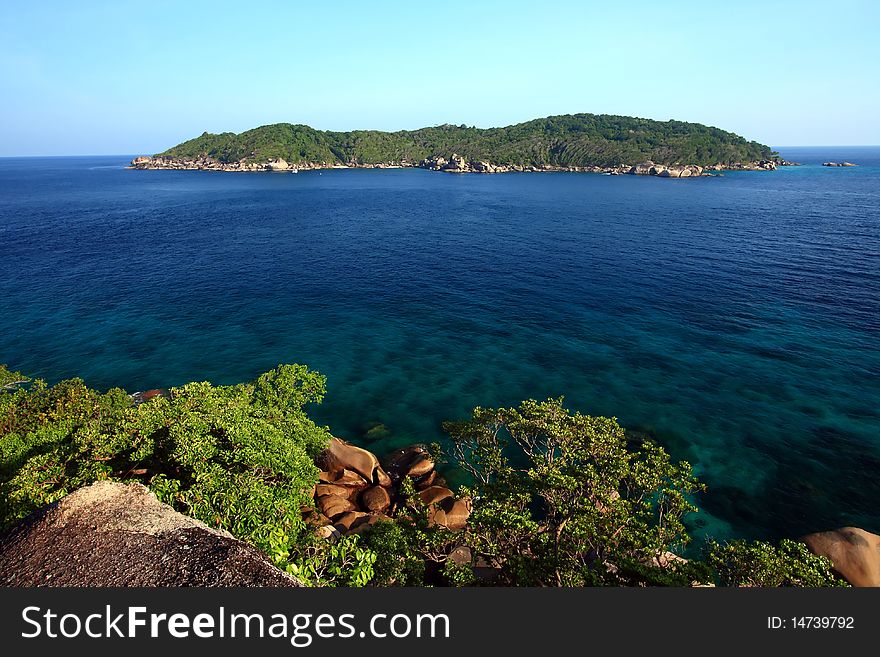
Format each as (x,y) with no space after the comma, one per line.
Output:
(734,318)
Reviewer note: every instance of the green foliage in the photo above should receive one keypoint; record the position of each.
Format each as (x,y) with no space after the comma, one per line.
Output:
(237,457)
(568,140)
(344,562)
(756,563)
(407,544)
(561,501)
(399,561)
(564,499)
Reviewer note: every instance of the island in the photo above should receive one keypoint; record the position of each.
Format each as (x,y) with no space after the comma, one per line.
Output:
(594,143)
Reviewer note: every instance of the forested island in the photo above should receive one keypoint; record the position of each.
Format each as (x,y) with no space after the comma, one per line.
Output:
(598,143)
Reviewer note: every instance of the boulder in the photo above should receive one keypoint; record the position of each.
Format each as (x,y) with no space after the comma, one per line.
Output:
(456,164)
(434,494)
(351,520)
(363,524)
(462,555)
(334,506)
(375,498)
(482,167)
(450,513)
(382,478)
(147,395)
(328,532)
(343,478)
(412,461)
(112,534)
(854,552)
(429,480)
(345,492)
(341,455)
(642,169)
(277,165)
(665,559)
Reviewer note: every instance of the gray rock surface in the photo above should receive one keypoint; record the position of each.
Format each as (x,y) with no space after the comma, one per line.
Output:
(113,534)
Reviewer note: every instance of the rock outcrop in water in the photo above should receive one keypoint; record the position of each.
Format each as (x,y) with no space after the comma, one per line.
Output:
(838,164)
(112,534)
(355,491)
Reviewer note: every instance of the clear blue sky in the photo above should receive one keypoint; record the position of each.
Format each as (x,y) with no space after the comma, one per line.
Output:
(137,77)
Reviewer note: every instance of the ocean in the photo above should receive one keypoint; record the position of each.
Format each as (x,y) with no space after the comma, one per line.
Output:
(735,319)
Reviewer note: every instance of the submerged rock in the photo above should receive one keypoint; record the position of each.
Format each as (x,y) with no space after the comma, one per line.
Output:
(112,534)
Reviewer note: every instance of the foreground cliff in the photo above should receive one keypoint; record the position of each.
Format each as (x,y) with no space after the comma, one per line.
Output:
(568,142)
(112,534)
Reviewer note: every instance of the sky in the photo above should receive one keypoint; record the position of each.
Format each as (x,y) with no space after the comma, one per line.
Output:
(138,77)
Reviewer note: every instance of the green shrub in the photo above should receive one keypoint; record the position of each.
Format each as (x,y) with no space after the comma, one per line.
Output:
(561,501)
(235,457)
(757,563)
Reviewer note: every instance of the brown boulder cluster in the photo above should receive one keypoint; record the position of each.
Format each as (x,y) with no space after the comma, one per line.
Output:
(355,491)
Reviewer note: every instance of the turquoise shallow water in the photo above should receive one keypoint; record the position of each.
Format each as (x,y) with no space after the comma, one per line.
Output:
(734,318)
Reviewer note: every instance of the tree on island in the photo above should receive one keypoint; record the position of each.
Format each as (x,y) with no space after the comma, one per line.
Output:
(564,140)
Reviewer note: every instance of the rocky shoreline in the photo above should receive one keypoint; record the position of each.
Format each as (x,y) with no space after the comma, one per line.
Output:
(355,490)
(454,164)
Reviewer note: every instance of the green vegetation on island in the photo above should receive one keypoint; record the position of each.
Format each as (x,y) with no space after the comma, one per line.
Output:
(558,498)
(572,140)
